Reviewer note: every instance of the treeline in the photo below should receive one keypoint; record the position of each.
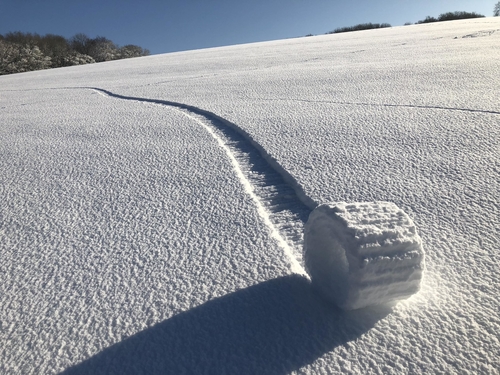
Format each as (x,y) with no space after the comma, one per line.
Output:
(23,52)
(450,16)
(361,26)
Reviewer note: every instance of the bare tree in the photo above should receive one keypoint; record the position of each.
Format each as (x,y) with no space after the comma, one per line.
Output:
(131,50)
(80,43)
(56,47)
(23,39)
(102,49)
(496,10)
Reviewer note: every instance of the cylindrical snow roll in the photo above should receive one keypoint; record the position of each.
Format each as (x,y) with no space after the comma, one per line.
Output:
(363,254)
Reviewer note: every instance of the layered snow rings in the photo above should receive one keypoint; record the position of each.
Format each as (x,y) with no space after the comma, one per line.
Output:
(362,254)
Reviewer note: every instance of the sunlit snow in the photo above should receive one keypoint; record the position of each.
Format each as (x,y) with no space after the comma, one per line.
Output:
(152,209)
(363,254)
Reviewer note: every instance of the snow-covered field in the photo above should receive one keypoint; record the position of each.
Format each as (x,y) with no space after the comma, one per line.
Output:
(151,210)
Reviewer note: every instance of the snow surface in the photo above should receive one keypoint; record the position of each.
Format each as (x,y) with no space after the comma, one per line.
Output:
(363,254)
(152,209)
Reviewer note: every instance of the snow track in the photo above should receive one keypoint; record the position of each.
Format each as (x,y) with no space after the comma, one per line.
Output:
(279,199)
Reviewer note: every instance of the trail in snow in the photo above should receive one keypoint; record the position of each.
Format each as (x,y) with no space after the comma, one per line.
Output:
(277,201)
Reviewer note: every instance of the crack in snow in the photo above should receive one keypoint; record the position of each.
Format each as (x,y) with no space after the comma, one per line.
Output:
(382,105)
(275,194)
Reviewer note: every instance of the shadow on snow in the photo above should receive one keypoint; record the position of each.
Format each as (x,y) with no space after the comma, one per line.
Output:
(273,327)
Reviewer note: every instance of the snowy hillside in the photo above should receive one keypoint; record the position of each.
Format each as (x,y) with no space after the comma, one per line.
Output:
(152,210)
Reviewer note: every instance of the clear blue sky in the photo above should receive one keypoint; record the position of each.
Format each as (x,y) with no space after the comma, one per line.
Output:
(168,25)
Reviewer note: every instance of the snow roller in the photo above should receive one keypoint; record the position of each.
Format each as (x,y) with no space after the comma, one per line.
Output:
(363,254)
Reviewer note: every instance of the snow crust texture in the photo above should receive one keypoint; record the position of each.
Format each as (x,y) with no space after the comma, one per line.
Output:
(363,254)
(277,200)
(152,229)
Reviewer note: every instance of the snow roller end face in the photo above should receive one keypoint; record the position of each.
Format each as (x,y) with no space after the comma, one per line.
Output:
(363,254)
